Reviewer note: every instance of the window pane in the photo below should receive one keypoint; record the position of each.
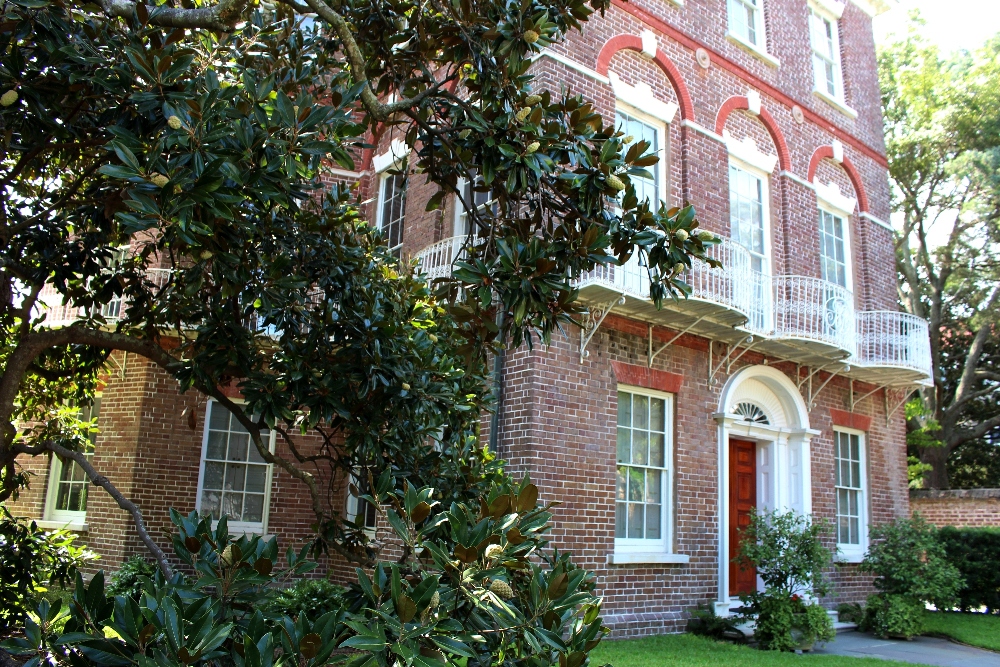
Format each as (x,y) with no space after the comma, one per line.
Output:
(653,486)
(656,450)
(640,447)
(256,478)
(213,475)
(657,415)
(622,483)
(232,506)
(253,507)
(635,520)
(219,417)
(235,477)
(652,522)
(621,520)
(624,445)
(210,503)
(216,445)
(636,484)
(238,446)
(640,418)
(624,409)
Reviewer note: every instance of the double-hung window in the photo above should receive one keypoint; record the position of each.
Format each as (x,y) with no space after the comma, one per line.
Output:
(835,269)
(235,480)
(360,510)
(746,22)
(475,195)
(392,210)
(66,498)
(645,129)
(748,227)
(825,39)
(644,466)
(852,515)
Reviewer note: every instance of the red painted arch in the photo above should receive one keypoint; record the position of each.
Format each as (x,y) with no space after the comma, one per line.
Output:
(634,43)
(852,173)
(741,102)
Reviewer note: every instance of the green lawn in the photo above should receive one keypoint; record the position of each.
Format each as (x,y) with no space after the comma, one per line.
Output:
(981,630)
(692,651)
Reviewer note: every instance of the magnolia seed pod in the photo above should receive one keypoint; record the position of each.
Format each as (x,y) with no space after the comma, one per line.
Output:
(493,550)
(227,556)
(532,100)
(206,254)
(8,98)
(706,236)
(174,122)
(615,183)
(681,235)
(628,139)
(159,180)
(532,147)
(433,338)
(530,36)
(522,114)
(464,134)
(435,600)
(501,589)
(295,111)
(405,386)
(679,267)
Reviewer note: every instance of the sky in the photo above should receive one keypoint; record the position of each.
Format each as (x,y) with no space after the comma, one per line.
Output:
(952,24)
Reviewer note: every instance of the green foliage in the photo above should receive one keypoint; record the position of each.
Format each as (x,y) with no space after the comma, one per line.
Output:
(788,553)
(850,612)
(907,559)
(975,553)
(916,471)
(30,559)
(705,622)
(127,580)
(893,615)
(314,597)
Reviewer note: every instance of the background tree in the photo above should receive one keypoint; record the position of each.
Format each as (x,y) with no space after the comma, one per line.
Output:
(943,142)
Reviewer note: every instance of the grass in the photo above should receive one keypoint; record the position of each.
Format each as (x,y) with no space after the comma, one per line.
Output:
(982,630)
(693,651)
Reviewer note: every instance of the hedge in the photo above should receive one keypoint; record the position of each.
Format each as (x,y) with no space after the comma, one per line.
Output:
(976,553)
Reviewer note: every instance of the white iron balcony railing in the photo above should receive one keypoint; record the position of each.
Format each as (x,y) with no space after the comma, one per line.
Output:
(58,314)
(888,338)
(437,259)
(813,309)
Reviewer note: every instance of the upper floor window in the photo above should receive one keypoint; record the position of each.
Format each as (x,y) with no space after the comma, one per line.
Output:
(747,213)
(642,128)
(476,195)
(644,457)
(235,480)
(746,21)
(851,483)
(392,210)
(358,509)
(833,249)
(66,497)
(824,35)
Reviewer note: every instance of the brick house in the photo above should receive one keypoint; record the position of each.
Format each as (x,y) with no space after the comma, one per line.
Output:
(778,384)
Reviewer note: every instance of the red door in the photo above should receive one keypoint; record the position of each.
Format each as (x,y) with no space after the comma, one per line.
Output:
(742,500)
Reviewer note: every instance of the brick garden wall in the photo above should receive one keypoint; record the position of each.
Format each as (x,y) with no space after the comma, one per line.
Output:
(962,508)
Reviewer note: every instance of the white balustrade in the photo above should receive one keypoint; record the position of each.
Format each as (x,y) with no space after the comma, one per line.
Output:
(814,309)
(437,259)
(58,314)
(889,338)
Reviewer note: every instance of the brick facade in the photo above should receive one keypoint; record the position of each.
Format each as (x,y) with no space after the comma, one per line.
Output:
(962,508)
(558,410)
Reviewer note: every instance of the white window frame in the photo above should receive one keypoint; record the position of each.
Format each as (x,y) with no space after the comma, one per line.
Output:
(758,46)
(383,178)
(236,527)
(826,14)
(635,550)
(460,220)
(54,518)
(353,503)
(830,200)
(660,122)
(848,268)
(745,156)
(853,553)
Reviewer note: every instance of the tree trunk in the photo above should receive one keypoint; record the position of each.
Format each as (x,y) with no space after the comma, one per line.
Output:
(937,457)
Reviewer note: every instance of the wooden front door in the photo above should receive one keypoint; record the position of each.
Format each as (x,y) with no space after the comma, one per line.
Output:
(742,500)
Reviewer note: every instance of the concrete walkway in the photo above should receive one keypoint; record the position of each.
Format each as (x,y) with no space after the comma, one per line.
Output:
(922,650)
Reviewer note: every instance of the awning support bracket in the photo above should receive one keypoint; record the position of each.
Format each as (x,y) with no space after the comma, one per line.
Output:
(652,355)
(728,360)
(907,392)
(814,395)
(592,322)
(855,399)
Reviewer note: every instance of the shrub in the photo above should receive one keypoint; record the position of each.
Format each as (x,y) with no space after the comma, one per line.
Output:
(891,615)
(705,622)
(314,597)
(850,612)
(30,558)
(128,579)
(787,550)
(975,553)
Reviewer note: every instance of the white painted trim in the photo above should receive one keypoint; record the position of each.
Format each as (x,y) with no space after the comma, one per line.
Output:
(640,97)
(848,242)
(625,548)
(874,7)
(75,526)
(391,158)
(753,102)
(235,527)
(855,553)
(834,8)
(344,172)
(753,50)
(748,152)
(657,557)
(573,65)
(798,179)
(663,135)
(835,102)
(758,170)
(701,129)
(649,46)
(831,199)
(878,221)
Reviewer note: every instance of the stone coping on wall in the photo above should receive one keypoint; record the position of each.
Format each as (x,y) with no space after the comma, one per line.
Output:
(942,494)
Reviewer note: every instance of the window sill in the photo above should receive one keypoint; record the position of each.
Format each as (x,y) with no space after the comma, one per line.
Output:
(75,526)
(655,558)
(836,103)
(754,50)
(848,558)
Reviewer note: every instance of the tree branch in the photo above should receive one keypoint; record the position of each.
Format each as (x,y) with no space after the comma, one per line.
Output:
(222,16)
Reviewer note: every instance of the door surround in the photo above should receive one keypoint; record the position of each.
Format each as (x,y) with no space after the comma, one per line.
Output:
(782,435)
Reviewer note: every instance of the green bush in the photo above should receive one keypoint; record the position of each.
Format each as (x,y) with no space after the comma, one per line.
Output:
(787,550)
(975,553)
(850,612)
(314,597)
(127,580)
(705,622)
(31,558)
(891,615)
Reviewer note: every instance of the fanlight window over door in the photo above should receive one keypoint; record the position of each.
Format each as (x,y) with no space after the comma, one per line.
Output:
(751,413)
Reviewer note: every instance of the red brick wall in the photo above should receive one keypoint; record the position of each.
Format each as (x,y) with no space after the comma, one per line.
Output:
(962,508)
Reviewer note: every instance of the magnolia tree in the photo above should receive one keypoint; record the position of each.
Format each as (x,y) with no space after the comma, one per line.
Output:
(197,136)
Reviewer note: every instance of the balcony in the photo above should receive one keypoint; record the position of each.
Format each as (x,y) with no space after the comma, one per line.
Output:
(58,314)
(797,318)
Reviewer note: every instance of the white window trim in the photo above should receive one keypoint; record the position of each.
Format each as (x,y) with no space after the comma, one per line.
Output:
(855,553)
(392,158)
(835,102)
(641,97)
(749,153)
(236,527)
(634,551)
(832,201)
(380,210)
(758,50)
(831,11)
(756,165)
(61,519)
(351,507)
(661,123)
(848,263)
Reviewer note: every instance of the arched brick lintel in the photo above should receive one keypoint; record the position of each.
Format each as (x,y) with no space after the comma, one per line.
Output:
(634,43)
(852,173)
(649,378)
(740,102)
